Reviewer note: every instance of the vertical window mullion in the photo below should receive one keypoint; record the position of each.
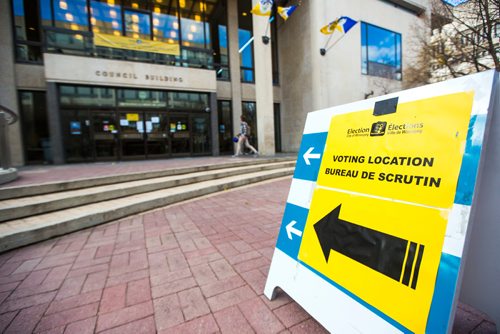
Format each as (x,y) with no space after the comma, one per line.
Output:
(89,21)
(179,13)
(203,8)
(53,13)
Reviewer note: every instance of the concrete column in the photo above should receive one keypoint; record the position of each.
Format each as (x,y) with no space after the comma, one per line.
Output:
(214,121)
(8,93)
(55,126)
(263,86)
(234,62)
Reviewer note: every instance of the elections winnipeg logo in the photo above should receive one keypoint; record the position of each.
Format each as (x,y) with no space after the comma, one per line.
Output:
(378,129)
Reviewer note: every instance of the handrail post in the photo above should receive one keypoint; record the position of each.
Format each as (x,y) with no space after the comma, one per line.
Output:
(4,143)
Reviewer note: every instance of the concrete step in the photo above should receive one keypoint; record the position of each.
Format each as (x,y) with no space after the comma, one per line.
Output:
(20,232)
(46,188)
(39,204)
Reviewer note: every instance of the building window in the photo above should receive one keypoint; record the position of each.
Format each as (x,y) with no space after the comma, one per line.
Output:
(381,52)
(274,53)
(166,24)
(86,96)
(221,56)
(245,38)
(137,25)
(193,24)
(73,26)
(141,98)
(27,31)
(106,18)
(197,102)
(71,14)
(35,127)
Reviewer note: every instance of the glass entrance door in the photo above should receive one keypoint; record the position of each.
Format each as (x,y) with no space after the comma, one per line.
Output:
(132,131)
(156,135)
(225,128)
(201,134)
(105,135)
(78,146)
(180,135)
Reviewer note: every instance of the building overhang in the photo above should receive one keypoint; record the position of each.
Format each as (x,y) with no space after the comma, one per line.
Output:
(409,5)
(117,73)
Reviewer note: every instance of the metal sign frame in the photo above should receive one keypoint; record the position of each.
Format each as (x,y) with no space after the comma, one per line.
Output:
(303,271)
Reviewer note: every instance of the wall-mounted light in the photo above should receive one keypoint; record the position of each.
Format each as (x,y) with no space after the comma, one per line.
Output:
(173,34)
(115,24)
(63,5)
(190,37)
(112,14)
(197,18)
(69,17)
(156,22)
(175,25)
(192,28)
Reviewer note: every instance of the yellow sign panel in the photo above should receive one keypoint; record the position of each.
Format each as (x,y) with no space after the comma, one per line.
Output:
(378,216)
(132,117)
(412,155)
(384,252)
(122,42)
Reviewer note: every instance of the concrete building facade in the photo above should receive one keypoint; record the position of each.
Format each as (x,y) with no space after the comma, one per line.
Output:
(113,80)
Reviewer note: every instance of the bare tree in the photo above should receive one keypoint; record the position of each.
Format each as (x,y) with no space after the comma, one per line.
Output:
(464,40)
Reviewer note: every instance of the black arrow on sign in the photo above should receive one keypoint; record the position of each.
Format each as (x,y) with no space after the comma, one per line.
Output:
(394,257)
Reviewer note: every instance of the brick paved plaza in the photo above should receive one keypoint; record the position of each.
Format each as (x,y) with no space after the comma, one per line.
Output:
(195,267)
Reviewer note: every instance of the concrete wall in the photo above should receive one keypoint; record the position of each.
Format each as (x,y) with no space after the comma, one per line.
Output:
(30,77)
(311,81)
(295,55)
(95,71)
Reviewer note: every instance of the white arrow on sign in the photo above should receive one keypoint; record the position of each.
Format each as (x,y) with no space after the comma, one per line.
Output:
(308,155)
(290,229)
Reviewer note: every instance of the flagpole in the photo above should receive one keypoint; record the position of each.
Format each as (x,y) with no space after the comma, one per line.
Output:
(265,38)
(245,46)
(334,43)
(322,51)
(328,40)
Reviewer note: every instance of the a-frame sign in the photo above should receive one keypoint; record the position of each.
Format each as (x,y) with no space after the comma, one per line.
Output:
(381,209)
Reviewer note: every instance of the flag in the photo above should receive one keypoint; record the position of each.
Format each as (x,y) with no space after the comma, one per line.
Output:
(342,24)
(285,12)
(263,8)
